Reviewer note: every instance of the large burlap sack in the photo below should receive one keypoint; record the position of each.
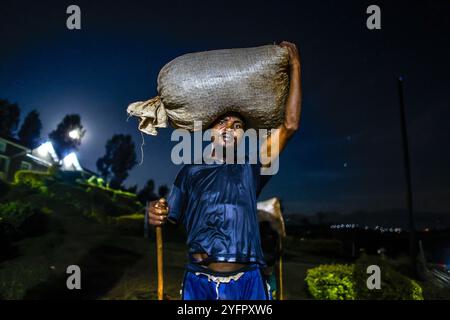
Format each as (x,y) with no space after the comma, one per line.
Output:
(202,86)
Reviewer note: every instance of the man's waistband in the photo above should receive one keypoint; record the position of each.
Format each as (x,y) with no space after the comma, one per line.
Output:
(198,268)
(224,258)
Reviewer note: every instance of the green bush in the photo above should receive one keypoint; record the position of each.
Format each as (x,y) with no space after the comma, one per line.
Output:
(22,219)
(394,285)
(417,292)
(33,179)
(339,282)
(15,213)
(331,282)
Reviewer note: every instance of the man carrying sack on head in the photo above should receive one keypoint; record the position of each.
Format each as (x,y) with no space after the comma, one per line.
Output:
(216,203)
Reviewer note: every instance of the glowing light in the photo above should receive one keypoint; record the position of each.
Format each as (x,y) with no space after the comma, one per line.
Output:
(70,162)
(75,134)
(44,149)
(47,148)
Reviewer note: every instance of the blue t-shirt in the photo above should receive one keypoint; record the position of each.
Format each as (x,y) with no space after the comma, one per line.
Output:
(216,203)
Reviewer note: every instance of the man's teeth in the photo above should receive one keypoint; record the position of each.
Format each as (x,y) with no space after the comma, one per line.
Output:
(227,137)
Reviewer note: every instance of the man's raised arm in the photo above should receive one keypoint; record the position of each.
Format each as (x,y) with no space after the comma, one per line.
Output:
(277,140)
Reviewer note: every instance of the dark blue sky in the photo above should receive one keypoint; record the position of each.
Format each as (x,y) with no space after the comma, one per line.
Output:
(347,154)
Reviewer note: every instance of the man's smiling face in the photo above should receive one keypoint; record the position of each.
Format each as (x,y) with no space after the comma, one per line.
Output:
(228,131)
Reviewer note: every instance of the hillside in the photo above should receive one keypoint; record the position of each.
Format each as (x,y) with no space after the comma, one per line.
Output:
(49,222)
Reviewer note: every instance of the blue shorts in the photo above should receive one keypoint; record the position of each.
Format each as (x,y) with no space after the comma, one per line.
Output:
(247,283)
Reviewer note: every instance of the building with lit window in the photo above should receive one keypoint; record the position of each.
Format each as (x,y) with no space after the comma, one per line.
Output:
(15,156)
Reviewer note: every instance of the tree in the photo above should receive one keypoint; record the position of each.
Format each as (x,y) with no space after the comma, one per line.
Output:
(9,118)
(30,131)
(147,193)
(163,191)
(62,139)
(120,157)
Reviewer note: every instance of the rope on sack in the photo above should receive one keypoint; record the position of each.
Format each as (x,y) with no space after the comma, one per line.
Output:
(142,142)
(151,114)
(142,149)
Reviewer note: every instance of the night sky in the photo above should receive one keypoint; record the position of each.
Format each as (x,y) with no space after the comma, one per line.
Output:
(347,154)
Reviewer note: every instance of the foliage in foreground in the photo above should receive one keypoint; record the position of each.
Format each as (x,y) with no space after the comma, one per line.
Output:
(331,282)
(35,180)
(20,219)
(349,282)
(394,285)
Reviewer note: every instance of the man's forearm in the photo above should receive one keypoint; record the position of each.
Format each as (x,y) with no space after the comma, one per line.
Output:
(277,140)
(294,101)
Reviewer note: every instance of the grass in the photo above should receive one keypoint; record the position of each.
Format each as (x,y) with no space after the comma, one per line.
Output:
(116,261)
(114,265)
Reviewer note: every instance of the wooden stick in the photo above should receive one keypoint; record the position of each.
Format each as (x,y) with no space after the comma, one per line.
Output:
(280,293)
(159,254)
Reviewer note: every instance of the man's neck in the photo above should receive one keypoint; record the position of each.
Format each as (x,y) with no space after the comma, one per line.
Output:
(223,158)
